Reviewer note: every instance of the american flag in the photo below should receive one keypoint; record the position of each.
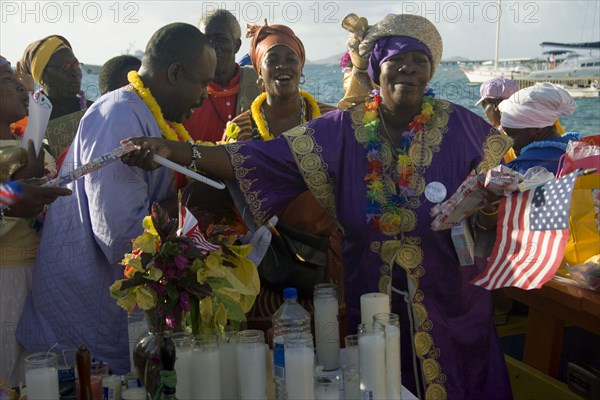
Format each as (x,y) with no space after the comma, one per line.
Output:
(9,193)
(532,232)
(188,226)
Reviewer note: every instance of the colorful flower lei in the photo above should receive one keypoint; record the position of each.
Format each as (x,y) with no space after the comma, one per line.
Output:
(379,198)
(261,124)
(180,134)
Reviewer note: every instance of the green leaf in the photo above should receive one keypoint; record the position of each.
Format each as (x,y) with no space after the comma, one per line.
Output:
(218,283)
(115,289)
(154,274)
(234,310)
(145,242)
(127,302)
(247,273)
(145,298)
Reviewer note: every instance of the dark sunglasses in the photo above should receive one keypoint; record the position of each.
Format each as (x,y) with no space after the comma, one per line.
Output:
(67,66)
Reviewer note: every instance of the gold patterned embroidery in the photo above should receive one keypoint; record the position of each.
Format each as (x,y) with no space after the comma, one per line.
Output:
(423,343)
(410,256)
(252,198)
(389,248)
(309,159)
(388,227)
(494,148)
(420,313)
(431,369)
(303,145)
(421,154)
(407,252)
(408,220)
(384,282)
(435,392)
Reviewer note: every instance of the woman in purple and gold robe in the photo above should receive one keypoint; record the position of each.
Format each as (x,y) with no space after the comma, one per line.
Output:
(378,168)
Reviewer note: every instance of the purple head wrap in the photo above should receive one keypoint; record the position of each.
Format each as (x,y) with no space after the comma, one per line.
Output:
(388,47)
(3,61)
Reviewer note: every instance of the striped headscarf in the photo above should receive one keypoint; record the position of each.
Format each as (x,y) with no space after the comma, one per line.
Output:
(36,57)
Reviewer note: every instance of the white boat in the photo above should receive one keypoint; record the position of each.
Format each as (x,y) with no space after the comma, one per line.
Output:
(578,74)
(512,68)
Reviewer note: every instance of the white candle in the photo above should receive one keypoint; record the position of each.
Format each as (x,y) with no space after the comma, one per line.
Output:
(351,349)
(392,362)
(371,304)
(183,368)
(207,372)
(229,378)
(371,356)
(392,353)
(299,373)
(252,371)
(42,384)
(327,328)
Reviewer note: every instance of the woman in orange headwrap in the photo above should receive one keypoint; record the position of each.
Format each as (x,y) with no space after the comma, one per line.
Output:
(278,57)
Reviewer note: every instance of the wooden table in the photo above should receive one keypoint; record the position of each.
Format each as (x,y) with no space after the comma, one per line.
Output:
(551,308)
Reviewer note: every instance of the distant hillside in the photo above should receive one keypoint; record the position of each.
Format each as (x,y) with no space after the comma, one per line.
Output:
(335,59)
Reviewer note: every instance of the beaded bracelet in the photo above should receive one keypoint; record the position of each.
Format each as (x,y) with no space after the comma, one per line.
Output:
(195,155)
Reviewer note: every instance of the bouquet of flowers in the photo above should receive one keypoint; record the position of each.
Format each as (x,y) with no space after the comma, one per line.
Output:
(188,272)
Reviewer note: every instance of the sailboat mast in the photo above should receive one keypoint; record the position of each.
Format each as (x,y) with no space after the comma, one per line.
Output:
(497,36)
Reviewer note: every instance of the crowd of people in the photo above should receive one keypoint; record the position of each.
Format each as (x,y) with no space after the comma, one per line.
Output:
(364,175)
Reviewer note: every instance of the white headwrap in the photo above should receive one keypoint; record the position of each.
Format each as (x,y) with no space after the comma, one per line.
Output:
(536,106)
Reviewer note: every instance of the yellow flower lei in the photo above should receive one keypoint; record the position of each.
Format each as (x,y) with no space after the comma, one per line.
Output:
(180,134)
(261,124)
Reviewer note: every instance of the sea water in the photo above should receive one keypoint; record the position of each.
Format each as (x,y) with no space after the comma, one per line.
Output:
(450,83)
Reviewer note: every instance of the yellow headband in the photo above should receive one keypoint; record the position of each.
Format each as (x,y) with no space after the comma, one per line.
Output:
(43,54)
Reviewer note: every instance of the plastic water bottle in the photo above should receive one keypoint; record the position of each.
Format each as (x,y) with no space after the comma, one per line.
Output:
(290,318)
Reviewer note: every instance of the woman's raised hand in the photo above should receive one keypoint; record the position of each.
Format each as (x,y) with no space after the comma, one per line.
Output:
(178,152)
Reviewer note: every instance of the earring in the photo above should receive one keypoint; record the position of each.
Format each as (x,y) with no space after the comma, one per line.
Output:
(302,82)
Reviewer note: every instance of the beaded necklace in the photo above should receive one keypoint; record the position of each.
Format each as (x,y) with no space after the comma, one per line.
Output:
(177,132)
(380,198)
(261,122)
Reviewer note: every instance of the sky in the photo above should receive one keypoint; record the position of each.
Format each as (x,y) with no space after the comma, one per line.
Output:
(100,30)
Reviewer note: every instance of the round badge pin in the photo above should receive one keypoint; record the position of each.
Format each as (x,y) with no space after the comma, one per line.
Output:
(435,192)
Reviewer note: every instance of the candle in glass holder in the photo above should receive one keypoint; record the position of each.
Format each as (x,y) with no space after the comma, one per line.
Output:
(392,354)
(371,358)
(371,304)
(351,382)
(206,364)
(228,354)
(327,328)
(252,365)
(183,364)
(299,366)
(351,342)
(41,376)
